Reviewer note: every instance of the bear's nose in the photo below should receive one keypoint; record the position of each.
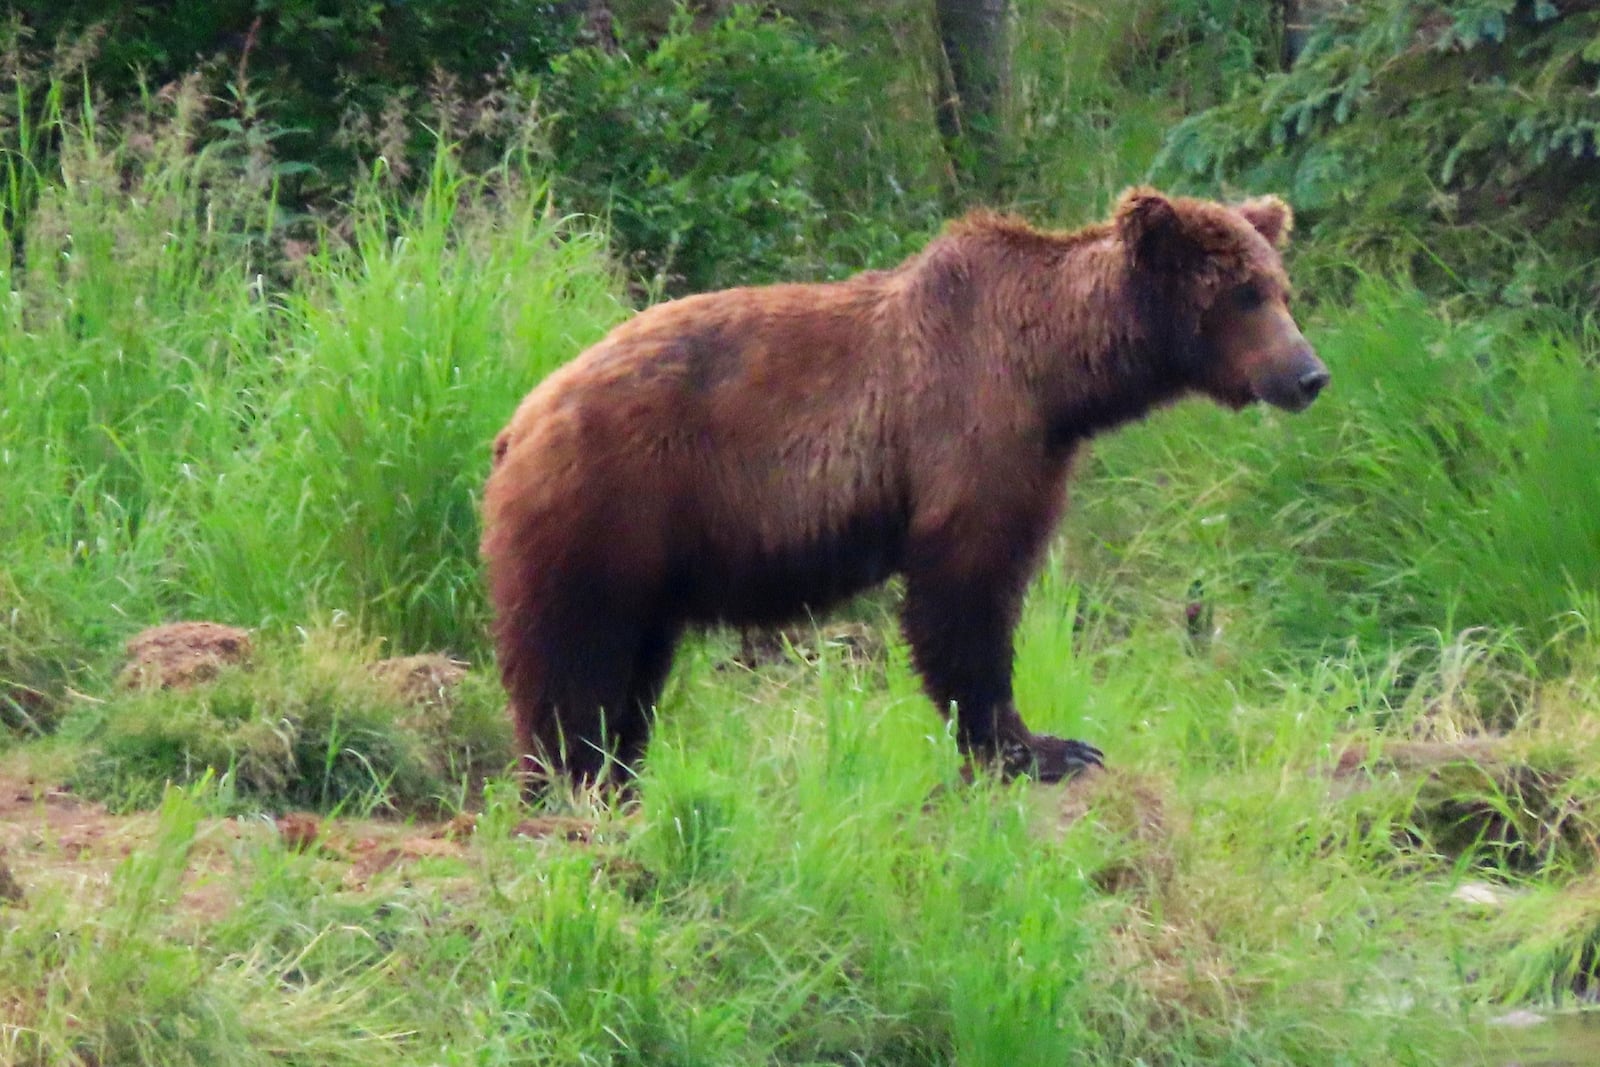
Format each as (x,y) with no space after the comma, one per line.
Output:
(1311,383)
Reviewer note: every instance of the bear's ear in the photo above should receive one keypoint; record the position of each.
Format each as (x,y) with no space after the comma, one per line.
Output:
(1271,217)
(1152,229)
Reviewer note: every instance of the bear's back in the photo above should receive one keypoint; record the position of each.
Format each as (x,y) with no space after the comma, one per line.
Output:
(745,433)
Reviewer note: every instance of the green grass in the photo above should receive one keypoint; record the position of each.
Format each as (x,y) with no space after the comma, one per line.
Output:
(406,346)
(804,882)
(199,418)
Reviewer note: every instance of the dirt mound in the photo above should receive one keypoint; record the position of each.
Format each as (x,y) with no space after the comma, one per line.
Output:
(181,654)
(425,680)
(1136,825)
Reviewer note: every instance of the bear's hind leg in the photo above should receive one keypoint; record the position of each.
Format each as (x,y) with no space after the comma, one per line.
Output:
(570,674)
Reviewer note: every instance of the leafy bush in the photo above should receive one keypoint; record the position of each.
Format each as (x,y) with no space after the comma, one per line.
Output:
(130,262)
(401,354)
(313,62)
(1454,142)
(690,146)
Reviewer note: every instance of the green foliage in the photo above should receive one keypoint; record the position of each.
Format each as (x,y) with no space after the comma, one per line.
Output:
(317,64)
(689,146)
(1455,143)
(1096,87)
(1080,93)
(199,417)
(130,266)
(880,167)
(1192,50)
(401,355)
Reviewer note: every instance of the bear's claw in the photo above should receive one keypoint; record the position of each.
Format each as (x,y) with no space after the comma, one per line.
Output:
(1049,759)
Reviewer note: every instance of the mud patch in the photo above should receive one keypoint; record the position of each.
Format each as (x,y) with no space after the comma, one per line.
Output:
(61,845)
(56,846)
(371,856)
(35,817)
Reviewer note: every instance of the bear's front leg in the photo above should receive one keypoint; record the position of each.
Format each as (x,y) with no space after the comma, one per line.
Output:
(959,629)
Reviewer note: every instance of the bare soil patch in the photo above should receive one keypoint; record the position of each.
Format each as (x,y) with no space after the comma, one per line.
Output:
(55,842)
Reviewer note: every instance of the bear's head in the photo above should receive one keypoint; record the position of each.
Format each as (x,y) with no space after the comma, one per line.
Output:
(1216,290)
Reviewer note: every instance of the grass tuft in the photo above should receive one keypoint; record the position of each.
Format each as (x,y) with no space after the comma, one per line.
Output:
(308,726)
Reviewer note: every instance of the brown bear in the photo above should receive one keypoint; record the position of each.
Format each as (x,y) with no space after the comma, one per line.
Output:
(750,455)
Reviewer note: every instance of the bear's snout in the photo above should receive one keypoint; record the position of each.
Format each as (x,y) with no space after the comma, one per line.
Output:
(1312,382)
(1293,384)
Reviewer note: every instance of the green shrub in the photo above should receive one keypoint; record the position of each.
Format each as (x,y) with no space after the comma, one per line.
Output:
(198,416)
(1455,143)
(400,355)
(688,146)
(132,328)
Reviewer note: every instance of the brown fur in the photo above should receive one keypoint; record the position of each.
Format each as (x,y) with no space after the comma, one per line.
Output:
(747,455)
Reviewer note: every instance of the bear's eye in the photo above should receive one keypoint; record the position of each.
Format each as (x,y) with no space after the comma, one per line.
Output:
(1246,297)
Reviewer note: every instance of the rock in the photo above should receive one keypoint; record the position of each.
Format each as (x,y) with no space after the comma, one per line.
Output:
(299,830)
(460,828)
(1481,895)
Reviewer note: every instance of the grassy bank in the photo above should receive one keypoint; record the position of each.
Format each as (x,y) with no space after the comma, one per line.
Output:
(1342,666)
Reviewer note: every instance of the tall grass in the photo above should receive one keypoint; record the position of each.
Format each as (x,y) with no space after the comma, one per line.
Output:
(402,352)
(794,888)
(1441,485)
(204,412)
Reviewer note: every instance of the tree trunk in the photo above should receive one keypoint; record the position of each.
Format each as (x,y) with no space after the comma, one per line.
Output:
(977,68)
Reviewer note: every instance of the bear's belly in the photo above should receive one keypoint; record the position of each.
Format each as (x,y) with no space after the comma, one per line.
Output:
(730,584)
